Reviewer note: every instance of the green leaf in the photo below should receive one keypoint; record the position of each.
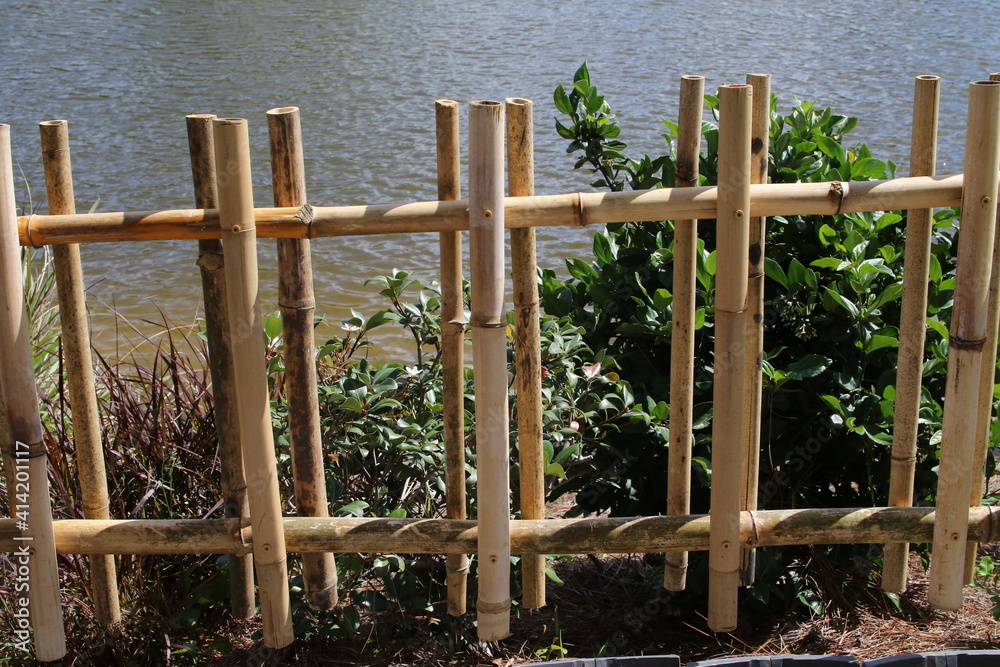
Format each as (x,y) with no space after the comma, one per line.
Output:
(827,234)
(940,328)
(562,101)
(845,303)
(357,508)
(774,272)
(603,248)
(877,342)
(808,366)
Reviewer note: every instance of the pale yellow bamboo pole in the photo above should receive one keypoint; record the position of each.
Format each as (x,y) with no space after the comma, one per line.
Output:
(912,327)
(239,239)
(35,549)
(760,155)
(728,424)
(682,325)
(596,535)
(563,210)
(449,179)
(986,382)
(489,356)
(968,339)
(79,366)
(297,303)
(220,363)
(524,270)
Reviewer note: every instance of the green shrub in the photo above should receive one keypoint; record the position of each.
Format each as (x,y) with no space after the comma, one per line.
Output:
(832,301)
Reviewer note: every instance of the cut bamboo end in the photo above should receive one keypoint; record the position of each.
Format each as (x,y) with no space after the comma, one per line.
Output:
(79,365)
(728,425)
(965,359)
(692,97)
(909,374)
(28,455)
(232,163)
(489,350)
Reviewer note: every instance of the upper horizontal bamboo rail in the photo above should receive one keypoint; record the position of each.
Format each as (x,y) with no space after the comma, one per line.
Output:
(577,209)
(869,525)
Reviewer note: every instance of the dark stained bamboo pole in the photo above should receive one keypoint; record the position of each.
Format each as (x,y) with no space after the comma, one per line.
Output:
(574,210)
(760,142)
(728,424)
(239,243)
(966,352)
(986,381)
(682,325)
(79,366)
(596,535)
(912,327)
(449,179)
(220,363)
(297,303)
(28,469)
(489,356)
(527,345)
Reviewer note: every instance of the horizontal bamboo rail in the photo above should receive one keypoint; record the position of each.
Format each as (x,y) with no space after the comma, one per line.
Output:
(578,209)
(869,525)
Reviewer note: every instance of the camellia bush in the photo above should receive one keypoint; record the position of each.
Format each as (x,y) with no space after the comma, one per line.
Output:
(832,311)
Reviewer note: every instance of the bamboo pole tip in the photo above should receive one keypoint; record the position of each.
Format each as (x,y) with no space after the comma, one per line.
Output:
(485,103)
(987,83)
(229,121)
(53,123)
(201,116)
(736,86)
(692,77)
(518,102)
(446,103)
(282,111)
(928,77)
(758,75)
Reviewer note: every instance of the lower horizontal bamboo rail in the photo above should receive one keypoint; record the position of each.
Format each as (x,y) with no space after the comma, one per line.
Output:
(578,209)
(870,525)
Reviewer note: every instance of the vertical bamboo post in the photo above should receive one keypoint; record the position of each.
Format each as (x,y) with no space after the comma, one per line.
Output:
(79,366)
(220,363)
(682,325)
(524,267)
(239,243)
(489,356)
(760,151)
(25,450)
(728,424)
(297,303)
(986,382)
(968,340)
(912,327)
(449,178)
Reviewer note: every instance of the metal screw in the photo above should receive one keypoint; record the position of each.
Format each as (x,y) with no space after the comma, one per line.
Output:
(739,213)
(237,229)
(487,214)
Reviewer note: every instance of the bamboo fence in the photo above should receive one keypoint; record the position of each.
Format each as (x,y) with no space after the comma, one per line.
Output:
(257,536)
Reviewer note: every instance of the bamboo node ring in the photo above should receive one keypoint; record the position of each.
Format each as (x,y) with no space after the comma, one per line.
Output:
(306,215)
(580,221)
(905,459)
(493,607)
(33,450)
(457,570)
(965,343)
(753,526)
(487,325)
(96,508)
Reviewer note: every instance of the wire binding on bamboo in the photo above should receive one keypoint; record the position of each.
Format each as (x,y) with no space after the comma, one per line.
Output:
(912,327)
(220,363)
(489,356)
(235,191)
(527,345)
(23,449)
(987,378)
(729,403)
(760,131)
(297,304)
(968,340)
(79,366)
(578,209)
(682,325)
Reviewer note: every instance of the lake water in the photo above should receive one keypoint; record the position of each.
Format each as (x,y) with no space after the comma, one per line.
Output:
(366,74)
